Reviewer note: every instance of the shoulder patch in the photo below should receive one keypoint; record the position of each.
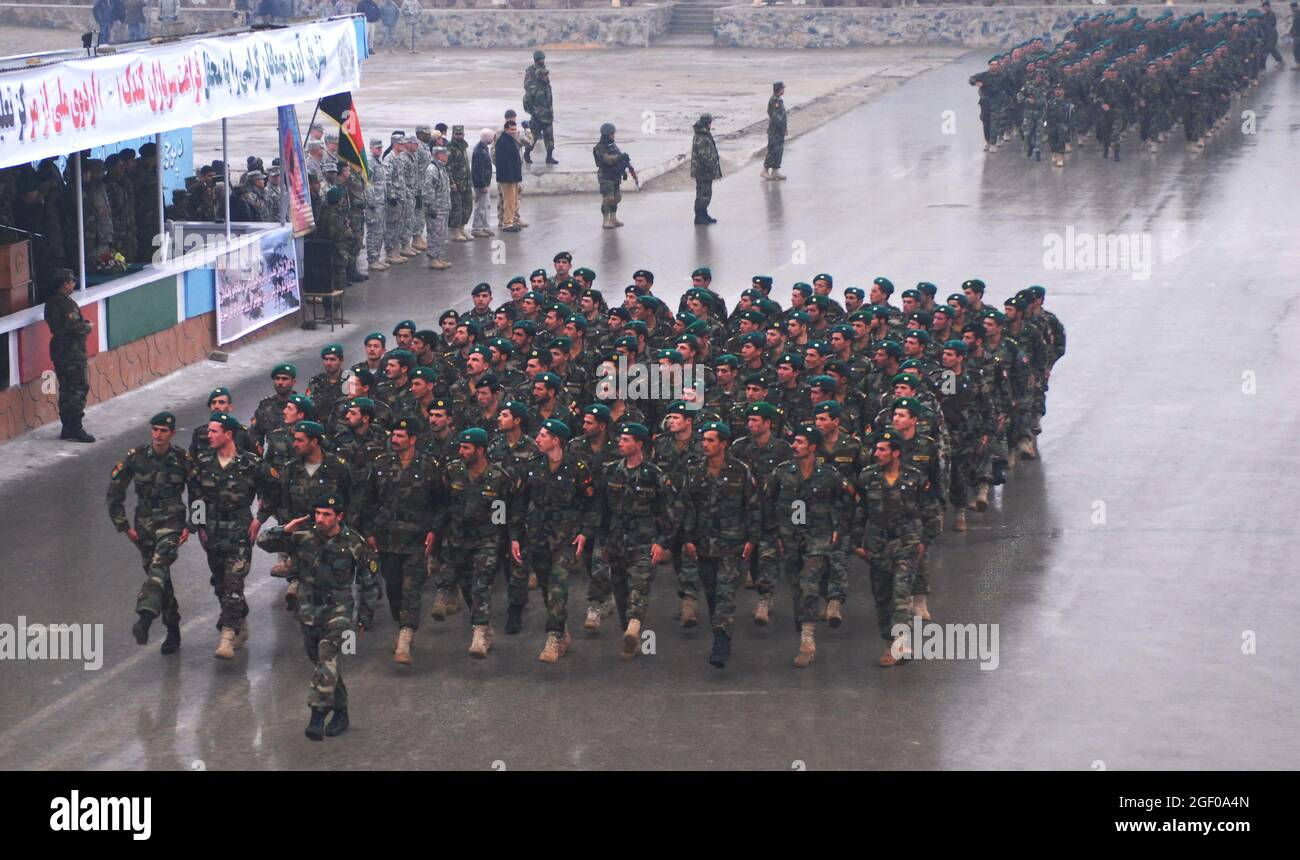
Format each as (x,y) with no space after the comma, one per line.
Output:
(117,470)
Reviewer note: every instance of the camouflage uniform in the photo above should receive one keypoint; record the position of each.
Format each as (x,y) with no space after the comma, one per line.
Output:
(923,453)
(705,167)
(514,459)
(332,227)
(550,509)
(227,494)
(376,204)
(846,457)
(462,194)
(887,524)
(413,203)
(764,564)
(268,416)
(436,197)
(99,221)
(328,568)
(677,463)
(722,513)
(121,200)
(806,513)
(472,527)
(611,165)
(326,393)
(776,128)
(396,236)
(160,517)
(640,509)
(537,103)
(397,511)
(68,330)
(969,417)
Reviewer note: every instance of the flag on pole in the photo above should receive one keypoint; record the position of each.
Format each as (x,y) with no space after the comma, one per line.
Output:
(294,174)
(352,146)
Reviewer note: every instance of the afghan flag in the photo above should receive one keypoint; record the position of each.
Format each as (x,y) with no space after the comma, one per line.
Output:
(352,147)
(294,174)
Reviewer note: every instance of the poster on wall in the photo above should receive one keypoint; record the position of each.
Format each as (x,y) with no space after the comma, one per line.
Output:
(256,285)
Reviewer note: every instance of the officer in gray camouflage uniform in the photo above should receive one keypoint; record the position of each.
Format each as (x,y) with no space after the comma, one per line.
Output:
(419,154)
(376,205)
(436,196)
(397,238)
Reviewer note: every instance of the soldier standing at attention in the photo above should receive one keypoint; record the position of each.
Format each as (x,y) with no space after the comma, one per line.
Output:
(159,472)
(537,102)
(68,331)
(705,168)
(776,127)
(330,558)
(611,166)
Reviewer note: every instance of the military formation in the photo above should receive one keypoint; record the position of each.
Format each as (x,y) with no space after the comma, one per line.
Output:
(555,436)
(1115,72)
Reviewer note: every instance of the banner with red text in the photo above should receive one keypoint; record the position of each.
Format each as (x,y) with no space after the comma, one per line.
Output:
(79,104)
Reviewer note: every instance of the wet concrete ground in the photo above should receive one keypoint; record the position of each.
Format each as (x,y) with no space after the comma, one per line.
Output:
(1130,570)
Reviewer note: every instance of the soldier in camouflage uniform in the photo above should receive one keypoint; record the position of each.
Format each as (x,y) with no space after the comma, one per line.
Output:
(721,525)
(598,448)
(436,195)
(811,507)
(512,449)
(553,503)
(159,471)
(971,424)
(705,168)
(332,227)
(376,205)
(357,197)
(270,410)
(763,451)
(776,130)
(68,331)
(927,456)
(537,103)
(611,166)
(887,535)
(677,452)
(223,483)
(462,184)
(220,401)
(841,451)
(472,526)
(397,501)
(397,240)
(121,200)
(98,213)
(1031,344)
(329,474)
(330,559)
(326,389)
(418,158)
(362,439)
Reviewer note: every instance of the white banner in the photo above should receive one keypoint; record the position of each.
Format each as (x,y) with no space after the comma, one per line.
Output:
(61,108)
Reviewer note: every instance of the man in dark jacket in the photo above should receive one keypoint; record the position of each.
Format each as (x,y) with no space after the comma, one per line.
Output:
(705,167)
(481,179)
(510,174)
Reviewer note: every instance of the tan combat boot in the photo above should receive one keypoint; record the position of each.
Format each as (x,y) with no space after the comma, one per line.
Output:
(453,602)
(402,653)
(478,646)
(395,258)
(551,652)
(565,641)
(291,596)
(959,521)
(749,580)
(762,610)
(982,498)
(491,637)
(897,650)
(689,616)
(532,582)
(242,636)
(593,619)
(920,607)
(807,646)
(608,222)
(834,612)
(439,610)
(376,266)
(777,174)
(459,235)
(613,219)
(767,171)
(632,638)
(409,250)
(226,647)
(420,244)
(1026,449)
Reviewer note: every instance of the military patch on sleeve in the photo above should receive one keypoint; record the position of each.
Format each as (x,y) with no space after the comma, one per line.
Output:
(274,472)
(117,470)
(374,566)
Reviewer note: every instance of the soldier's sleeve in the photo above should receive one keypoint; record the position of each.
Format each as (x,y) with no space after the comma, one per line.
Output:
(517,506)
(913,515)
(587,502)
(366,501)
(602,501)
(771,489)
(368,591)
(753,509)
(668,511)
(274,539)
(270,490)
(257,433)
(689,513)
(858,527)
(442,511)
(842,510)
(118,481)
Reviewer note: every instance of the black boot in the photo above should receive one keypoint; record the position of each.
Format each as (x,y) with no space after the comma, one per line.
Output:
(999,473)
(316,728)
(701,218)
(1117,152)
(1105,150)
(338,723)
(74,432)
(550,159)
(141,628)
(712,220)
(354,276)
(172,643)
(721,650)
(514,619)
(528,156)
(1038,154)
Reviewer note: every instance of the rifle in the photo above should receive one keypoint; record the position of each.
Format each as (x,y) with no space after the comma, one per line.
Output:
(628,168)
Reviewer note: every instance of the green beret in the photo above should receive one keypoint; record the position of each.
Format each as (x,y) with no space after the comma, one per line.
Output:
(825,383)
(649,301)
(587,274)
(702,272)
(800,317)
(304,404)
(502,345)
(1039,292)
(919,334)
(313,429)
(855,291)
(331,501)
(947,310)
(226,420)
(563,343)
(526,326)
(891,436)
(911,294)
(811,433)
(403,357)
(757,379)
(689,339)
(334,195)
(718,427)
(550,380)
(763,409)
(626,341)
(428,374)
(1017,302)
(579,322)
(957,346)
(863,315)
(405,324)
(163,419)
(479,289)
(557,428)
(763,280)
(928,288)
(678,407)
(912,363)
(974,285)
(441,404)
(886,285)
(686,317)
(410,425)
(881,311)
(994,314)
(599,411)
(726,359)
(757,338)
(699,328)
(830,407)
(635,430)
(219,391)
(755,317)
(364,404)
(822,276)
(639,327)
(535,273)
(906,379)
(669,355)
(845,330)
(820,345)
(959,298)
(284,370)
(332,349)
(517,408)
(793,359)
(801,287)
(490,382)
(911,404)
(891,347)
(473,436)
(562,310)
(375,335)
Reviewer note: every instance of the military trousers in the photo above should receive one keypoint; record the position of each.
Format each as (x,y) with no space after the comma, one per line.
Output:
(610,196)
(893,566)
(436,224)
(404,574)
(775,151)
(324,645)
(554,562)
(721,577)
(395,235)
(158,550)
(374,233)
(703,194)
(228,563)
(631,575)
(803,570)
(473,566)
(74,386)
(543,131)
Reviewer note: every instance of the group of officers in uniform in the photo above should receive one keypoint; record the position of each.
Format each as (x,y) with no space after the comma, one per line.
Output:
(1113,71)
(558,434)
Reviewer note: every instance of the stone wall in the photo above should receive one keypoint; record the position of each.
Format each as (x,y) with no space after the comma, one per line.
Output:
(996,27)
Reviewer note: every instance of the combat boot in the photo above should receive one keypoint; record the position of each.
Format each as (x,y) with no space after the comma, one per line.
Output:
(959,521)
(700,217)
(453,602)
(834,612)
(613,218)
(140,629)
(439,611)
(420,244)
(172,643)
(395,258)
(807,645)
(354,276)
(1116,152)
(402,651)
(408,250)
(1152,145)
(459,235)
(377,266)
(550,159)
(632,638)
(999,473)
(920,608)
(514,619)
(484,233)
(565,641)
(551,651)
(226,647)
(1105,150)
(1069,147)
(761,611)
(982,498)
(1058,160)
(291,596)
(749,580)
(1026,448)
(721,650)
(478,646)
(711,219)
(608,221)
(532,582)
(338,723)
(316,727)
(242,636)
(593,619)
(74,432)
(689,615)
(777,174)
(528,156)
(898,649)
